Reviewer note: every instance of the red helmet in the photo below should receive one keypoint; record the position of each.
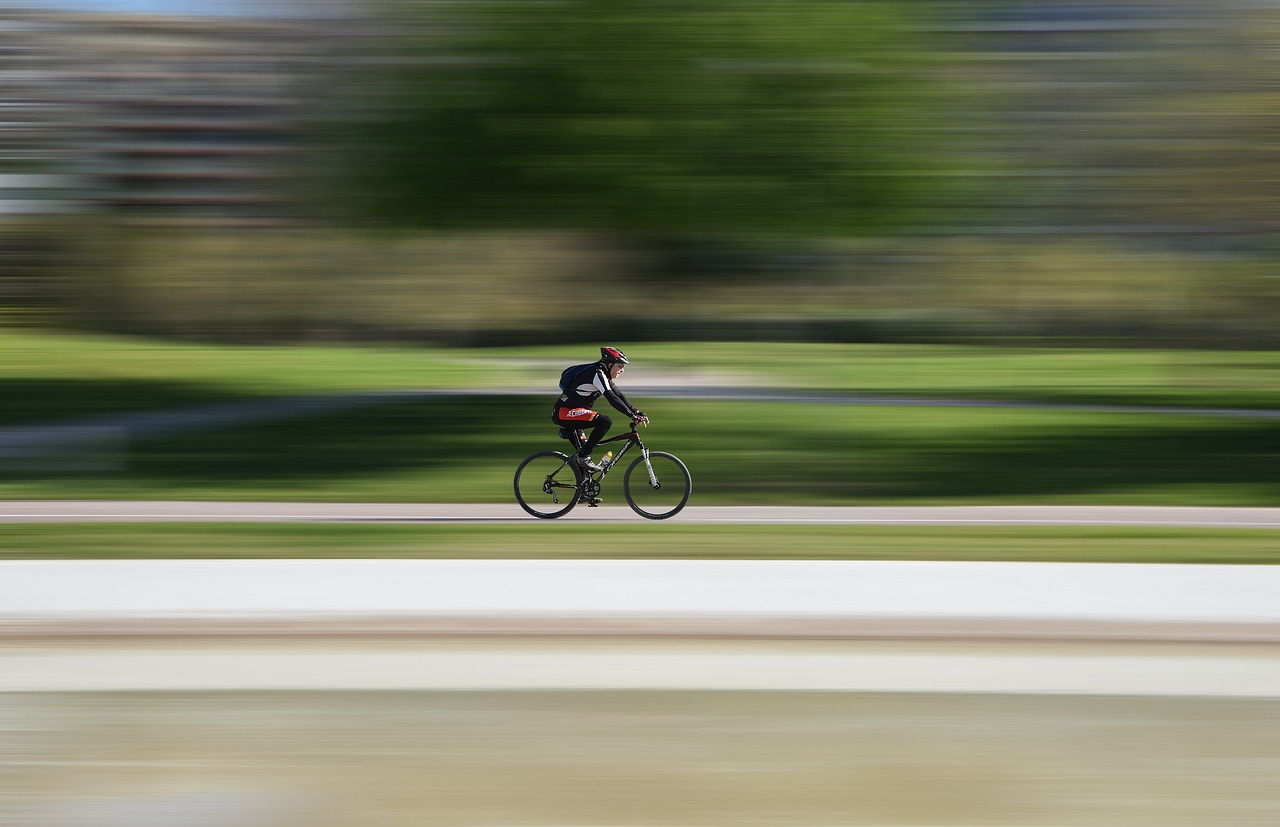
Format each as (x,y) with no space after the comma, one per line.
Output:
(611,356)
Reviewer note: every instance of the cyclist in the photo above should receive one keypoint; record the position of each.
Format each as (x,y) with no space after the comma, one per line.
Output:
(582,386)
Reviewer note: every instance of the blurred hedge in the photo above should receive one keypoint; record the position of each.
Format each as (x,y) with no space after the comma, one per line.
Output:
(507,288)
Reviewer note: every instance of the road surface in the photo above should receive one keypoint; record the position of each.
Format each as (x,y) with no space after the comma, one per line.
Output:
(622,759)
(53,511)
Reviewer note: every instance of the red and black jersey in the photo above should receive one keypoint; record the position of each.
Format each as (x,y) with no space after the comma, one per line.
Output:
(583,385)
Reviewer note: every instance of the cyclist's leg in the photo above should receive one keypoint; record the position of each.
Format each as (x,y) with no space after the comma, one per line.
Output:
(571,421)
(601,425)
(583,419)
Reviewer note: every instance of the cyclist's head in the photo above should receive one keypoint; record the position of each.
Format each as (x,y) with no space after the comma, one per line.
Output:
(613,356)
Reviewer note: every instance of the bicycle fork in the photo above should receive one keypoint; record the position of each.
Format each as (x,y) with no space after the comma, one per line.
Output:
(648,466)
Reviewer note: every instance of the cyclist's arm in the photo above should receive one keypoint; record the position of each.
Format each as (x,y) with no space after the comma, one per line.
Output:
(616,398)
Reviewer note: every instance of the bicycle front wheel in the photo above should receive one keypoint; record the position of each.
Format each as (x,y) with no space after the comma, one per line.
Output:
(546,485)
(657,486)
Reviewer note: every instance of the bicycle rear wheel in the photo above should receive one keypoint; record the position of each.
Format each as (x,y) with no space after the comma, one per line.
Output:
(546,485)
(661,495)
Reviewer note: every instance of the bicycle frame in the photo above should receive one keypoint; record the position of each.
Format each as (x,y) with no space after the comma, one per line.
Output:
(631,438)
(664,471)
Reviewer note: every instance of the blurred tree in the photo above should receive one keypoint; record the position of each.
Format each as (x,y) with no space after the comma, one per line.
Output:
(654,118)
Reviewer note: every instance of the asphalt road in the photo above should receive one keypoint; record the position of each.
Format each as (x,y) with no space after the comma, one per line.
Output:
(60,511)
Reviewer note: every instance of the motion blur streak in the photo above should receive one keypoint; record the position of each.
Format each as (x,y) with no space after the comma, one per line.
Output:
(510,172)
(624,758)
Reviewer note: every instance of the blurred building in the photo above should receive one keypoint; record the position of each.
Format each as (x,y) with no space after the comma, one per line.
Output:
(170,121)
(31,148)
(1140,118)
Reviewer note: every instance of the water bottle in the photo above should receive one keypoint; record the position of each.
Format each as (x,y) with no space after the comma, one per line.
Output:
(608,458)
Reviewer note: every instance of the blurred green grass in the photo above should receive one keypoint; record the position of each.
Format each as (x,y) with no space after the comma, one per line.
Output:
(465,449)
(565,540)
(1190,378)
(45,376)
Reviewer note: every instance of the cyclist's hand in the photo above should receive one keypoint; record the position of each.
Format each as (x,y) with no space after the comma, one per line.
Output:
(642,419)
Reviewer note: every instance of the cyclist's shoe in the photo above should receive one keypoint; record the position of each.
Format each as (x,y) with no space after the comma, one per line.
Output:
(591,501)
(585,463)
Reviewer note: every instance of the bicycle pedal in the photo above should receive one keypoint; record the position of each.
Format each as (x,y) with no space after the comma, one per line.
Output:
(591,501)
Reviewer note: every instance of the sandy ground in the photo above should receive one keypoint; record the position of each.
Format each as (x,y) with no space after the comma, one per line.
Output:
(570,759)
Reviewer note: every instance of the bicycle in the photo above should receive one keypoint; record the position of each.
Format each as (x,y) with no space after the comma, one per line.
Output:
(656,484)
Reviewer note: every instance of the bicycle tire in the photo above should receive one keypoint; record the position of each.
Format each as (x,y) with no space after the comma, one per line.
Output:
(535,497)
(667,467)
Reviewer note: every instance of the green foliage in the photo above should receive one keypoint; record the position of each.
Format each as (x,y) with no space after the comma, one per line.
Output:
(652,116)
(506,288)
(674,540)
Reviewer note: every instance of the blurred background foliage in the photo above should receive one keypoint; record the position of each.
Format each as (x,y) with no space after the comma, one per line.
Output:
(665,119)
(499,172)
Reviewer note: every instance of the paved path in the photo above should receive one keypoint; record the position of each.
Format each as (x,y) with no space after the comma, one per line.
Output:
(51,511)
(640,624)
(735,598)
(800,590)
(663,664)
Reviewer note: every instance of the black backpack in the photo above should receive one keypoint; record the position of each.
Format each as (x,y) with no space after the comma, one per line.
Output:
(567,376)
